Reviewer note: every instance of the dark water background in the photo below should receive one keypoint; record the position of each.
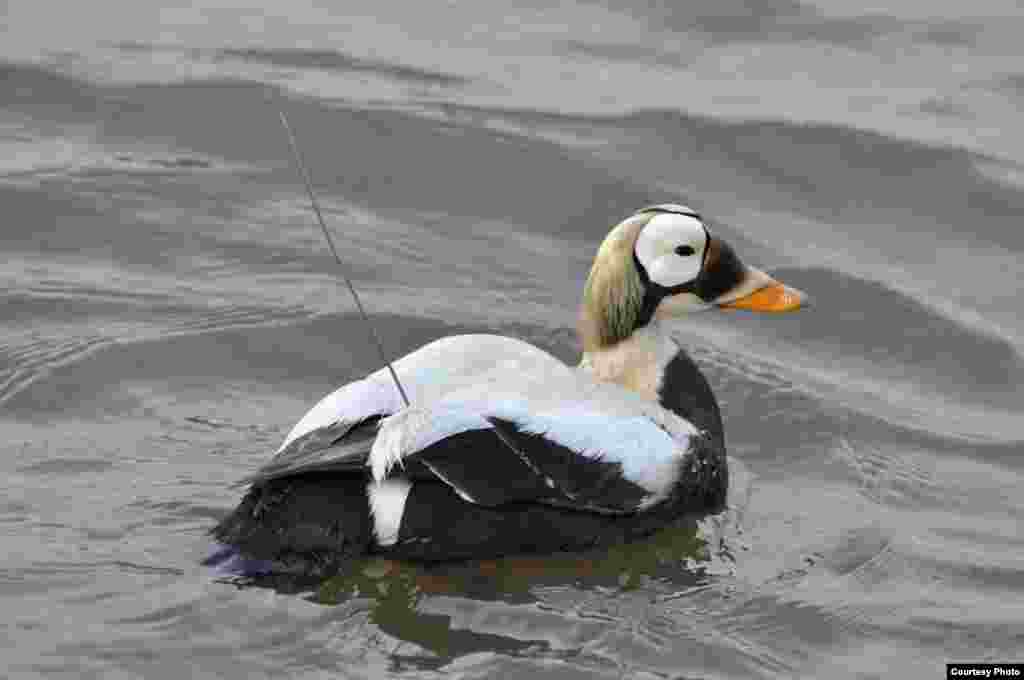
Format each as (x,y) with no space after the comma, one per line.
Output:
(168,309)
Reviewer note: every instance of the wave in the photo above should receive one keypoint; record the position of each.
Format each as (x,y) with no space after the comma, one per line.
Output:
(881,186)
(874,186)
(888,332)
(878,187)
(254,346)
(301,58)
(354,152)
(334,60)
(45,93)
(788,21)
(90,342)
(863,348)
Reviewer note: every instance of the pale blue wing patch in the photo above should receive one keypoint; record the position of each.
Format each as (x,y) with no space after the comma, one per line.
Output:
(649,455)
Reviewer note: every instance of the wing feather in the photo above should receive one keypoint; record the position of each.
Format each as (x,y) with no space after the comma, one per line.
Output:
(342,447)
(505,446)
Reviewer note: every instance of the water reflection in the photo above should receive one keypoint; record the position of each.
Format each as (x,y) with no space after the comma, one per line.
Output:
(399,594)
(498,603)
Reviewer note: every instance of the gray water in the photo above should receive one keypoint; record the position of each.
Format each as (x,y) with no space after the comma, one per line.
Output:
(169,309)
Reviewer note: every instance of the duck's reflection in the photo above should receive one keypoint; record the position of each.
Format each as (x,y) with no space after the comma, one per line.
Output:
(400,595)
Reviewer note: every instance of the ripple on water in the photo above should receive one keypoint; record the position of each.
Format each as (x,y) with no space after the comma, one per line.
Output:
(66,466)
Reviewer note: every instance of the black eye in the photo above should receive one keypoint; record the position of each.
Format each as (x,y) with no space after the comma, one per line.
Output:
(684,250)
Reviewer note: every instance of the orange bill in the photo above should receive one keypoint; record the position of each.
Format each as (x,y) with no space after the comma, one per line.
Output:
(774,297)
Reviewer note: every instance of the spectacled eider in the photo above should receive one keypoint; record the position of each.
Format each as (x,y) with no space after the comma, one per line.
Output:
(504,448)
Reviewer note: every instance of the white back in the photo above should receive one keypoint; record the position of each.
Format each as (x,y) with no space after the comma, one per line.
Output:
(427,374)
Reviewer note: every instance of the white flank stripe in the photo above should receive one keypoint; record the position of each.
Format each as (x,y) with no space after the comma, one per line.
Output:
(462,494)
(387,505)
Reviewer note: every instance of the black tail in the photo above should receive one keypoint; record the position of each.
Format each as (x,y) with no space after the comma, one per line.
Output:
(308,524)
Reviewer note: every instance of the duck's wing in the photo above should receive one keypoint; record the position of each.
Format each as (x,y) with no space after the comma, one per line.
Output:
(338,431)
(595,449)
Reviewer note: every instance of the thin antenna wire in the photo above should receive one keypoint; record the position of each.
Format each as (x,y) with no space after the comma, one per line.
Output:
(355,296)
(301,167)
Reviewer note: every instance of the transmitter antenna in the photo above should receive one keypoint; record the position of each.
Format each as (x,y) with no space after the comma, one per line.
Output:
(301,167)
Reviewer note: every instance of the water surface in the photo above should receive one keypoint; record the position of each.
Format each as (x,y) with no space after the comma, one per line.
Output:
(169,309)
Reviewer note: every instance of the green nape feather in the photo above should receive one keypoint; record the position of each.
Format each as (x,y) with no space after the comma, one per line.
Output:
(613,295)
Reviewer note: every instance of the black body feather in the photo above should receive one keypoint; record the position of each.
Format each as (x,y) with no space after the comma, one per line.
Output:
(312,523)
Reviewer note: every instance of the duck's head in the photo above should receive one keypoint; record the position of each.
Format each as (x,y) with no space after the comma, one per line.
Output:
(663,262)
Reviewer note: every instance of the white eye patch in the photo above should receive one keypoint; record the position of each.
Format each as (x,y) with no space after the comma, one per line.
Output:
(657,244)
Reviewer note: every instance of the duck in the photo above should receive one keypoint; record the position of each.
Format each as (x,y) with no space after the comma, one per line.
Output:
(496,447)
